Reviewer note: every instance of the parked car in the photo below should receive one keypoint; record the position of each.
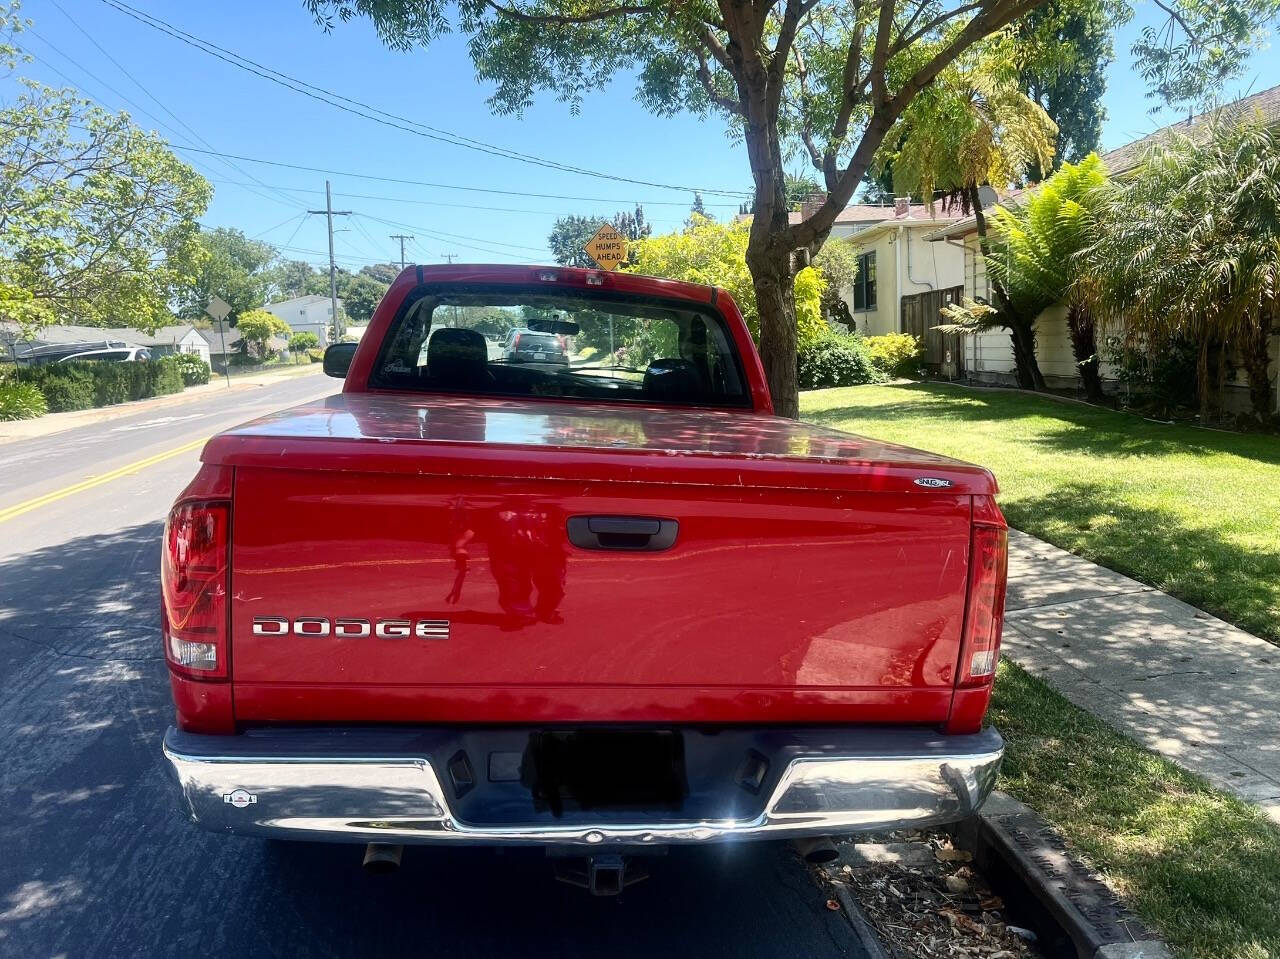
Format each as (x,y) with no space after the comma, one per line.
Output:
(132,354)
(600,608)
(528,346)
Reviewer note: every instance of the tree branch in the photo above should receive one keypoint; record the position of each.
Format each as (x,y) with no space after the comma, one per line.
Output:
(887,111)
(564,20)
(728,104)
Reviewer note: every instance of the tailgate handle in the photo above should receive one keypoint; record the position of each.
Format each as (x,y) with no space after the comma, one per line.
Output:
(635,533)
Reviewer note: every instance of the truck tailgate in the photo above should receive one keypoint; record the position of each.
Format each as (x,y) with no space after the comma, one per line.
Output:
(823,585)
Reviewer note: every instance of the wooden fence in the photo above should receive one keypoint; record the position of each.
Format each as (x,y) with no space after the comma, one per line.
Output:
(921,313)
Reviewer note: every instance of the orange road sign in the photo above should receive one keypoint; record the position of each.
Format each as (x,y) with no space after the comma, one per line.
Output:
(608,248)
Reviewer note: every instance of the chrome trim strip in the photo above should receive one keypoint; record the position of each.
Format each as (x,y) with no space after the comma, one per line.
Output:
(383,799)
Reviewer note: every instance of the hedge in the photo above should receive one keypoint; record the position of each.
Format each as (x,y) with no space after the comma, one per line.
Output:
(80,386)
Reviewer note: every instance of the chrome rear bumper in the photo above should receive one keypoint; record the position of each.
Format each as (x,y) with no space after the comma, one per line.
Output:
(365,786)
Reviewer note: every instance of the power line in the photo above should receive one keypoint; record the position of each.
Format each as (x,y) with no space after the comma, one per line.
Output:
(472,206)
(272,229)
(456,236)
(378,115)
(77,85)
(151,96)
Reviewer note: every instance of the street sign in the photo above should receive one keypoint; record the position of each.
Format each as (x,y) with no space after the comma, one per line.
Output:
(218,308)
(608,248)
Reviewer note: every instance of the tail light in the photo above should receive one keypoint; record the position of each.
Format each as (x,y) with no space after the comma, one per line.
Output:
(193,584)
(984,619)
(516,344)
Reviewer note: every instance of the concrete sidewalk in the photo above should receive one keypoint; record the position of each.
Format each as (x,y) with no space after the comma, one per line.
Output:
(1184,683)
(52,423)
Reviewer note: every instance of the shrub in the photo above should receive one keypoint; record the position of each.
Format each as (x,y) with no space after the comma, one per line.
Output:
(194,370)
(21,401)
(301,342)
(836,359)
(1162,374)
(895,354)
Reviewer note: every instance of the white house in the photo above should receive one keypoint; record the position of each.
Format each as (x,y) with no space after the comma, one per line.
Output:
(307,314)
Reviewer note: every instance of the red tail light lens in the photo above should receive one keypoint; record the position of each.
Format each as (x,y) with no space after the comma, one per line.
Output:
(984,620)
(515,345)
(193,584)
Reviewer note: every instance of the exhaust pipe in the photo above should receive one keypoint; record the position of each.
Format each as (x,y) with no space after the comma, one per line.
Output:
(382,858)
(816,849)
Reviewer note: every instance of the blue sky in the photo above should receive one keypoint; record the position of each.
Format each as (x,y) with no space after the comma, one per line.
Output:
(239,113)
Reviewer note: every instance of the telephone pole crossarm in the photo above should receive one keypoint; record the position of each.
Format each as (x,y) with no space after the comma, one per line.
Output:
(401,237)
(329,213)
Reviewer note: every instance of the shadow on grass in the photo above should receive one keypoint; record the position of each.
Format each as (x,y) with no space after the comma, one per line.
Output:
(1200,866)
(1197,564)
(1081,429)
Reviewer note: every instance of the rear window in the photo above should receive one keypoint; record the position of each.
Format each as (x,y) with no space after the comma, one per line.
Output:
(529,342)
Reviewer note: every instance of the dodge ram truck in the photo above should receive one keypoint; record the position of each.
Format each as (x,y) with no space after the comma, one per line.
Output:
(603,605)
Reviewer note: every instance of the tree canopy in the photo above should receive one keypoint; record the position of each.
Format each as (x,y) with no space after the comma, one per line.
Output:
(1188,245)
(828,80)
(569,234)
(98,222)
(232,267)
(715,253)
(258,326)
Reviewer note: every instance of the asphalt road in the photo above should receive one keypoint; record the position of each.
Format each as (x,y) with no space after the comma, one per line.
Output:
(95,859)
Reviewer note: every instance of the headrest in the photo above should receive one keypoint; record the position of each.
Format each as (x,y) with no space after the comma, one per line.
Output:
(673,381)
(456,356)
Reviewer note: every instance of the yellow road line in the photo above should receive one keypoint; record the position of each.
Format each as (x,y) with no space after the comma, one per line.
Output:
(26,507)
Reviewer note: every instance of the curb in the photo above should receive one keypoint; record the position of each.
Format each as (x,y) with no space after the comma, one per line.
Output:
(862,927)
(1020,853)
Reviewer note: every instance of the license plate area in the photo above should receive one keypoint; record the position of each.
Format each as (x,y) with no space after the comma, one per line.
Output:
(604,769)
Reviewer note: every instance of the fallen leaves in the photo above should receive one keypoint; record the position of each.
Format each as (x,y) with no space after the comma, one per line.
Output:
(928,906)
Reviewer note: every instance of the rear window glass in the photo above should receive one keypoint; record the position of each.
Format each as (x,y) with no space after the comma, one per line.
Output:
(521,342)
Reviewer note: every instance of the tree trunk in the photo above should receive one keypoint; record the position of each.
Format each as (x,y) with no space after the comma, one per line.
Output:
(1024,358)
(1021,332)
(776,303)
(1257,368)
(1084,346)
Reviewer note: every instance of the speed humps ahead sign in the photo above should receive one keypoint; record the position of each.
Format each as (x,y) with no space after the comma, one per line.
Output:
(608,248)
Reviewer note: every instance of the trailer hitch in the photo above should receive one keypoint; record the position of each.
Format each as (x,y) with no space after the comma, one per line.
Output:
(603,875)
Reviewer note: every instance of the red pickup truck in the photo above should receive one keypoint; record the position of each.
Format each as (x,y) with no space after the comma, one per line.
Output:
(611,603)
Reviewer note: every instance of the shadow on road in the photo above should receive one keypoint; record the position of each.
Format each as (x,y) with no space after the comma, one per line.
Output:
(98,861)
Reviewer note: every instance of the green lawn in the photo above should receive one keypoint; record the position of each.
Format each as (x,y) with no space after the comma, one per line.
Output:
(1193,512)
(1201,867)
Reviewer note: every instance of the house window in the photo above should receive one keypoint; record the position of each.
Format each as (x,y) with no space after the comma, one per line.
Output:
(864,286)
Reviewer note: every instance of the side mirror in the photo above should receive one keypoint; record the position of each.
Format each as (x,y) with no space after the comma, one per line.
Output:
(337,359)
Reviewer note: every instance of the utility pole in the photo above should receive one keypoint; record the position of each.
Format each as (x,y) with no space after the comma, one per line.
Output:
(401,237)
(449,257)
(329,213)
